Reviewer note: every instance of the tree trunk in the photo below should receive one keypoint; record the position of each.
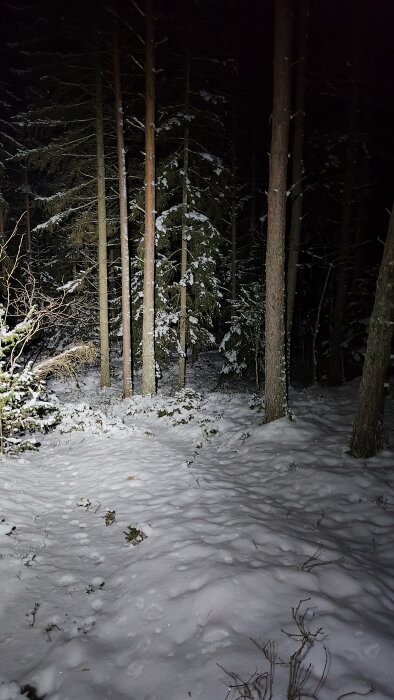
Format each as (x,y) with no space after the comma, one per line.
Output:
(124,239)
(297,169)
(3,268)
(275,369)
(233,272)
(183,290)
(148,326)
(253,196)
(368,423)
(28,220)
(102,236)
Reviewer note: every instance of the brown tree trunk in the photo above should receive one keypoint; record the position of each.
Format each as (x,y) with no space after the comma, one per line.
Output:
(124,240)
(297,168)
(368,423)
(275,369)
(102,235)
(148,326)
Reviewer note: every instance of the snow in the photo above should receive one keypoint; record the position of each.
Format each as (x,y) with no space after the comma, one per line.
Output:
(196,215)
(161,220)
(56,219)
(238,521)
(70,286)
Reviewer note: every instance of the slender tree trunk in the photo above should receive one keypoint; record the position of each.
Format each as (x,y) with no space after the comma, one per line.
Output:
(148,326)
(297,169)
(368,423)
(233,272)
(275,369)
(124,240)
(253,194)
(184,251)
(112,285)
(336,374)
(317,325)
(102,236)
(28,220)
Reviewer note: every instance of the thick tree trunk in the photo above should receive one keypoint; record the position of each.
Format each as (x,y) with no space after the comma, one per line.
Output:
(148,326)
(275,370)
(124,239)
(297,168)
(102,236)
(184,251)
(368,423)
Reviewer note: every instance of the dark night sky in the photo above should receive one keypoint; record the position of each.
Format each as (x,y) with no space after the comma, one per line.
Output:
(244,31)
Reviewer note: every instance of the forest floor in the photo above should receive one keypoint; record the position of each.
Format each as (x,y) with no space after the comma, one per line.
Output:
(173,547)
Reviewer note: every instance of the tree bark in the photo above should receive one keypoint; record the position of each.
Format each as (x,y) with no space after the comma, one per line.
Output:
(368,423)
(124,239)
(102,235)
(3,269)
(148,326)
(253,194)
(297,169)
(28,220)
(275,369)
(233,271)
(184,248)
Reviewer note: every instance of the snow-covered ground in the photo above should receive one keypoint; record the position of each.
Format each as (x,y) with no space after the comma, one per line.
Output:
(242,522)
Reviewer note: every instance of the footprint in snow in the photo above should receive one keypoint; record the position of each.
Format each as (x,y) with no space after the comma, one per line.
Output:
(213,639)
(153,612)
(96,557)
(215,634)
(66,580)
(135,669)
(82,537)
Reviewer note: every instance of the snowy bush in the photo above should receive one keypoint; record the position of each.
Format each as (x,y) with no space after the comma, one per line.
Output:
(23,405)
(81,417)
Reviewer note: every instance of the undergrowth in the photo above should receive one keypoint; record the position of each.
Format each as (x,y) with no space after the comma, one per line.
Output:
(301,680)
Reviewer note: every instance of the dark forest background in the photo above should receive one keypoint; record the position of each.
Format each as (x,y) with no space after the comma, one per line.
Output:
(214,85)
